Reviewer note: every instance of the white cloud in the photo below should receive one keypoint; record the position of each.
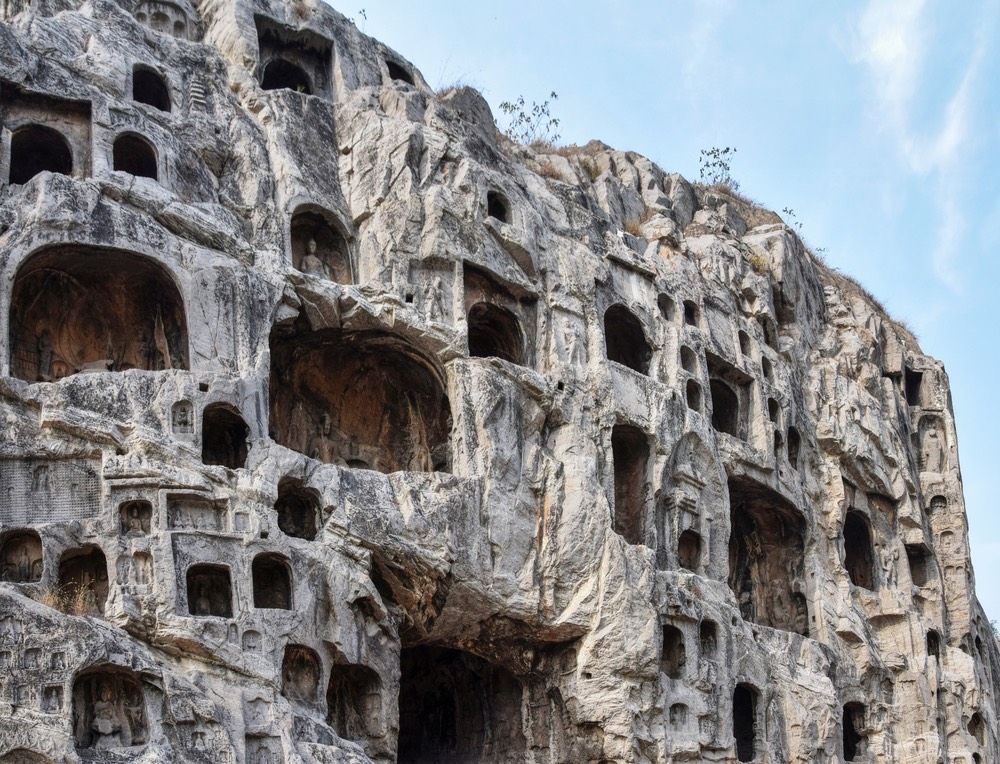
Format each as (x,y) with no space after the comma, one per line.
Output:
(891,40)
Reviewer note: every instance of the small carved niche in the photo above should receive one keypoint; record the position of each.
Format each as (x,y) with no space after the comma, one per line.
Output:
(673,659)
(252,641)
(83,580)
(135,155)
(150,87)
(300,673)
(142,569)
(182,419)
(625,339)
(272,582)
(196,513)
(136,517)
(224,436)
(21,557)
(500,321)
(209,591)
(319,248)
(297,508)
(48,134)
(109,710)
(293,59)
(174,19)
(354,701)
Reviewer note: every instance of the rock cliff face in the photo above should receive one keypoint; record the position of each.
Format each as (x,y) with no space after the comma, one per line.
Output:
(338,428)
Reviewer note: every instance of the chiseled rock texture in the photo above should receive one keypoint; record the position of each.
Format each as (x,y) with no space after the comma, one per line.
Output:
(337,427)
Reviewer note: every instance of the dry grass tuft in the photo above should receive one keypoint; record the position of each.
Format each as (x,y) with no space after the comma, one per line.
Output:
(590,168)
(548,170)
(71,599)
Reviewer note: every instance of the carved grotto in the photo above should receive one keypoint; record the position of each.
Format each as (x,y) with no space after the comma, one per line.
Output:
(337,428)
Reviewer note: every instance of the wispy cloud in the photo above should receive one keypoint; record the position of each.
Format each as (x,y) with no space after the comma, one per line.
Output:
(892,40)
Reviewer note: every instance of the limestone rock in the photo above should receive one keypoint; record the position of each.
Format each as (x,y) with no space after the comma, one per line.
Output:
(338,428)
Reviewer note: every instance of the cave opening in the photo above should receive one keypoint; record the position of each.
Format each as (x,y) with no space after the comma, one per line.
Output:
(83,580)
(745,701)
(359,399)
(84,309)
(766,556)
(494,331)
(457,707)
(224,436)
(272,582)
(859,556)
(625,339)
(630,454)
(35,149)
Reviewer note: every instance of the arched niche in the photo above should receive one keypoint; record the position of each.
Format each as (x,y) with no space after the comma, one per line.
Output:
(625,339)
(853,726)
(767,556)
(454,706)
(279,73)
(78,308)
(692,395)
(150,87)
(673,656)
(292,58)
(224,436)
(354,701)
(209,590)
(497,206)
(109,709)
(495,332)
(363,398)
(319,247)
(630,455)
(83,580)
(398,72)
(135,517)
(272,582)
(298,509)
(20,557)
(135,155)
(859,554)
(746,702)
(38,148)
(301,670)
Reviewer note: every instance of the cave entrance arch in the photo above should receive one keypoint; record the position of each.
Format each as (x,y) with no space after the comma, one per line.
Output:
(766,556)
(38,148)
(495,332)
(360,399)
(82,309)
(457,707)
(625,339)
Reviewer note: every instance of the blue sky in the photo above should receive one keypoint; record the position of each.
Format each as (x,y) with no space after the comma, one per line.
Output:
(877,122)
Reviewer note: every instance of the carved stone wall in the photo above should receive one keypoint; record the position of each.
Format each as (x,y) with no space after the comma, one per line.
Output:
(337,428)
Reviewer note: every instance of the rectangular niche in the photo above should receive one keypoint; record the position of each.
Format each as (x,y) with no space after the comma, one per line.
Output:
(192,512)
(21,110)
(293,59)
(34,491)
(731,395)
(500,318)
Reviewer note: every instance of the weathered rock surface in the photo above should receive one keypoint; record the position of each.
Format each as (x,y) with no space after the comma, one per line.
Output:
(336,428)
